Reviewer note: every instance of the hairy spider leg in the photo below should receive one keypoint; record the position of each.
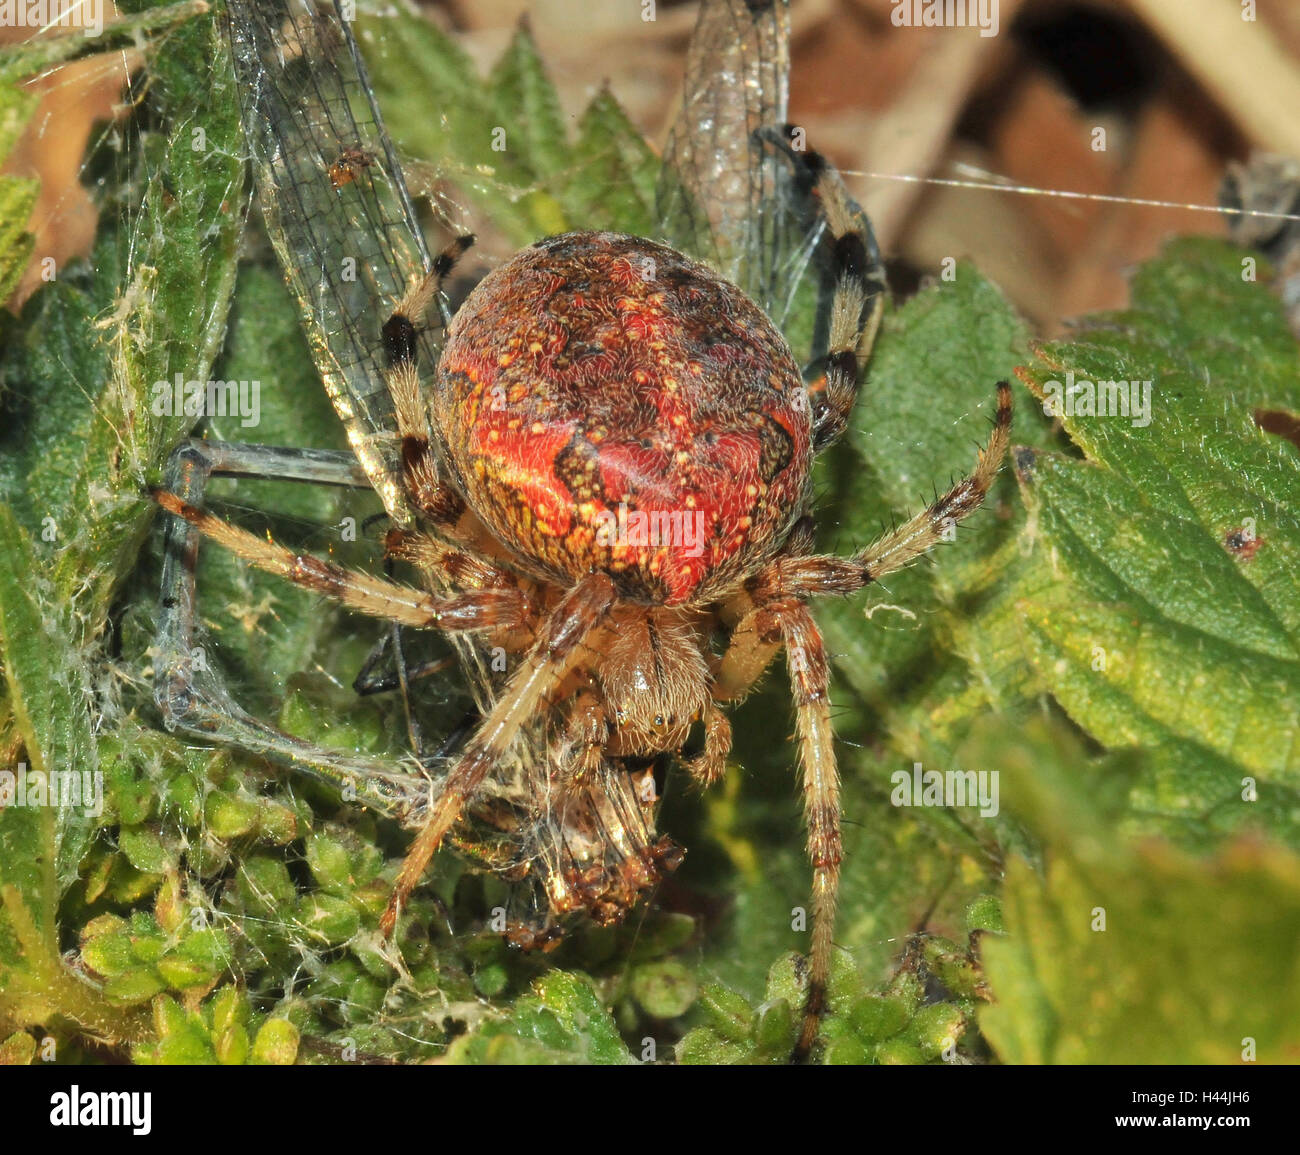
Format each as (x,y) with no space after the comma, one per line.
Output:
(825,574)
(710,764)
(809,670)
(363,592)
(436,500)
(771,613)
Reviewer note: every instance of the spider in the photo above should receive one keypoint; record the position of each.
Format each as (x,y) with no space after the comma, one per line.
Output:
(611,482)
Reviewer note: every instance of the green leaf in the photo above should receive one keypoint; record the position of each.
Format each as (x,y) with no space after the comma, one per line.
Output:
(17,196)
(665,989)
(563,1021)
(183,1038)
(1177,974)
(612,181)
(503,140)
(106,946)
(1162,610)
(135,986)
(276,1043)
(1115,590)
(327,919)
(25,58)
(415,67)
(18,1050)
(861,1026)
(528,106)
(85,366)
(144,850)
(42,843)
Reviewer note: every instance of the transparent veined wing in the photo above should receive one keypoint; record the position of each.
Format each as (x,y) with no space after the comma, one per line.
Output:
(340,218)
(726,194)
(336,208)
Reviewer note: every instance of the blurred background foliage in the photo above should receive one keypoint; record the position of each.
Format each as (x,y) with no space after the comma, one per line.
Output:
(1099,635)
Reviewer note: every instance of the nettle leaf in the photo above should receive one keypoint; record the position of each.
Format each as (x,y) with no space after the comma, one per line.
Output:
(528,104)
(16,109)
(80,437)
(43,836)
(23,59)
(1142,609)
(1147,955)
(1129,587)
(896,1025)
(921,416)
(1169,617)
(17,195)
(475,137)
(82,373)
(41,842)
(503,141)
(611,182)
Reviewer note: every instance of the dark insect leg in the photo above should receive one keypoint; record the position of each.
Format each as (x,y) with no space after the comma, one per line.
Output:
(453,567)
(189,693)
(379,674)
(857,295)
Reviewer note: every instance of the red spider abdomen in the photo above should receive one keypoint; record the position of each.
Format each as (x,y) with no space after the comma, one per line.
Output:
(609,404)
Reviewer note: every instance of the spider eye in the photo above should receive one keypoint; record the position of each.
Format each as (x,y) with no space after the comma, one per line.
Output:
(659,719)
